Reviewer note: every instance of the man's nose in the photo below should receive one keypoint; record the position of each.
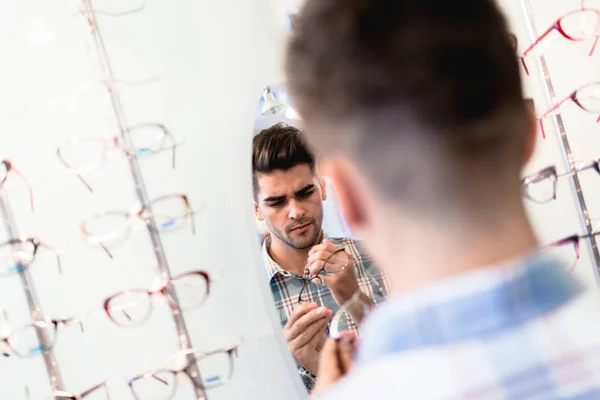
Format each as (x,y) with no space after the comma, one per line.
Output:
(296,210)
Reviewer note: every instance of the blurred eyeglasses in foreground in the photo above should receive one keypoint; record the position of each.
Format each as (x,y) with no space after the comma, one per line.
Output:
(17,255)
(61,395)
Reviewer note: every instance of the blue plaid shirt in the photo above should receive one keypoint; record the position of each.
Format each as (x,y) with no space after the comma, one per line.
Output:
(526,330)
(286,287)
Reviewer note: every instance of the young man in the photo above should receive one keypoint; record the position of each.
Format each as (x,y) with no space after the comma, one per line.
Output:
(417,109)
(288,195)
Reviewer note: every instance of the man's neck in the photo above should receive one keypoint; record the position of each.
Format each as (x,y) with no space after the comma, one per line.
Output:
(290,259)
(420,256)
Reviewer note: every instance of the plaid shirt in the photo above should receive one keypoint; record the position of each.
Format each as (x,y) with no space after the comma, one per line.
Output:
(523,331)
(286,286)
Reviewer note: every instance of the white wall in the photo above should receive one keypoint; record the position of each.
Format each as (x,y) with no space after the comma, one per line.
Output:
(570,67)
(214,58)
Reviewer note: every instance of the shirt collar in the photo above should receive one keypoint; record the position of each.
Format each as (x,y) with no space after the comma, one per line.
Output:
(472,305)
(272,267)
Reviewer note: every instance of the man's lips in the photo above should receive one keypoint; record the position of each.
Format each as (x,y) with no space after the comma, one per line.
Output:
(300,227)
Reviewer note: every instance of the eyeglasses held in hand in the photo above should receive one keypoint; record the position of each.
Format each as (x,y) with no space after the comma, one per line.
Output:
(216,369)
(84,155)
(586,97)
(133,307)
(112,227)
(7,167)
(575,26)
(17,255)
(61,395)
(331,266)
(541,186)
(569,249)
(24,342)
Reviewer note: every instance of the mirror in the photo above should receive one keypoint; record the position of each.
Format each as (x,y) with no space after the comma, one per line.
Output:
(322,282)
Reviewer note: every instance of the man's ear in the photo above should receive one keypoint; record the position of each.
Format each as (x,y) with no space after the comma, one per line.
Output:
(323,185)
(346,181)
(532,132)
(257,212)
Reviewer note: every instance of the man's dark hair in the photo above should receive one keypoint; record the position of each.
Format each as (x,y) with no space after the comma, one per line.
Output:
(402,84)
(282,147)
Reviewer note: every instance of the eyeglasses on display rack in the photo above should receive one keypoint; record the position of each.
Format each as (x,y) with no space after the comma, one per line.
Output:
(24,342)
(339,257)
(17,255)
(86,154)
(216,369)
(61,395)
(580,25)
(586,97)
(568,249)
(6,167)
(170,213)
(40,33)
(133,307)
(541,186)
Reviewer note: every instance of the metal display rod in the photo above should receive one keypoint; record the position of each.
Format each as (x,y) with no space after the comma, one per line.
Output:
(35,308)
(142,195)
(564,143)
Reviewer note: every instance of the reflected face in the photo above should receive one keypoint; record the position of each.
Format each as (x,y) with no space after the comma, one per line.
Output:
(291,203)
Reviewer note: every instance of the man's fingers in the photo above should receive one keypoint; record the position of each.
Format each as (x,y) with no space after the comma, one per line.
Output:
(299,312)
(346,350)
(311,333)
(329,368)
(294,329)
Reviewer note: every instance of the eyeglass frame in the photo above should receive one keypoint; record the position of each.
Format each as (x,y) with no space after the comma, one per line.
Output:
(575,240)
(231,352)
(37,243)
(114,143)
(322,271)
(162,290)
(560,104)
(551,174)
(558,26)
(141,214)
(62,395)
(9,167)
(55,323)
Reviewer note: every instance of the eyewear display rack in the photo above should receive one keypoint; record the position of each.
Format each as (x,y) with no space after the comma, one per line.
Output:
(565,147)
(35,308)
(9,220)
(142,195)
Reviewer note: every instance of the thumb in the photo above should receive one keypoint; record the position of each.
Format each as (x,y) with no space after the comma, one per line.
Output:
(329,367)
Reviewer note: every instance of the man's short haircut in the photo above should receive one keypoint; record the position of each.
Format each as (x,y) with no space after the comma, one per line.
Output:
(279,147)
(401,84)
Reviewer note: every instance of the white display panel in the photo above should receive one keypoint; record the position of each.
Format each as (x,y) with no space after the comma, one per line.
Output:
(205,62)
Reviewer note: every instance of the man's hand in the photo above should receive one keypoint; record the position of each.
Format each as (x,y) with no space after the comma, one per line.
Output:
(337,359)
(305,334)
(343,283)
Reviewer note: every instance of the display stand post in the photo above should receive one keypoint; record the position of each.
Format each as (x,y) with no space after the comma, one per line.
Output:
(564,142)
(35,308)
(142,195)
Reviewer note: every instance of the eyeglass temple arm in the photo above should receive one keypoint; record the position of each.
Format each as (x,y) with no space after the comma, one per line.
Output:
(535,43)
(11,167)
(594,45)
(94,388)
(555,108)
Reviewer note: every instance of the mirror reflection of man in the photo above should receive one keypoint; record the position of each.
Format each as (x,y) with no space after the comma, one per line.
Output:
(289,195)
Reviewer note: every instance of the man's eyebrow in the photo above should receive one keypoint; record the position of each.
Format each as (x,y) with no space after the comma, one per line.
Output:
(305,189)
(273,199)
